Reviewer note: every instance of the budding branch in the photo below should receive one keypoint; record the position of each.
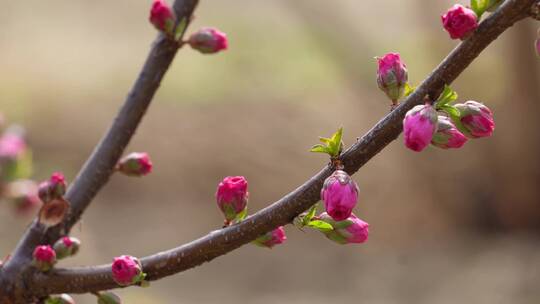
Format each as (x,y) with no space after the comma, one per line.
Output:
(97,170)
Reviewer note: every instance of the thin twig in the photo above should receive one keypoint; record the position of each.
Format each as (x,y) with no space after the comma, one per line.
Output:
(220,242)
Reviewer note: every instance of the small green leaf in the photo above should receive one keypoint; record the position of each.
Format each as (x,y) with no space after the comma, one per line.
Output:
(331,146)
(180,29)
(325,140)
(450,110)
(319,149)
(241,216)
(409,89)
(479,7)
(309,215)
(320,225)
(447,96)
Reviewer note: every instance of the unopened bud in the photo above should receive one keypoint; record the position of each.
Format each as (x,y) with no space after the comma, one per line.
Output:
(60,299)
(350,230)
(162,16)
(419,126)
(44,257)
(447,135)
(66,247)
(392,76)
(476,119)
(272,238)
(53,188)
(232,196)
(340,195)
(127,270)
(135,164)
(459,21)
(108,297)
(208,40)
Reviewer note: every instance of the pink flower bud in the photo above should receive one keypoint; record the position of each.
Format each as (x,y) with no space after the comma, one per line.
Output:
(392,76)
(340,195)
(476,118)
(44,257)
(127,270)
(208,40)
(350,230)
(66,247)
(135,164)
(419,126)
(232,196)
(60,299)
(447,136)
(272,238)
(162,16)
(108,297)
(459,21)
(53,188)
(12,145)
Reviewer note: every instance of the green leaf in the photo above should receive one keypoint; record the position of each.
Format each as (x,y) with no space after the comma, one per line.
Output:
(320,225)
(479,7)
(331,146)
(409,89)
(319,149)
(180,29)
(309,215)
(447,96)
(241,216)
(450,110)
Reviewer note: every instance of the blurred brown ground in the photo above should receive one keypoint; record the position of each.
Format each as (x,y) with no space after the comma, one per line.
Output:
(446,226)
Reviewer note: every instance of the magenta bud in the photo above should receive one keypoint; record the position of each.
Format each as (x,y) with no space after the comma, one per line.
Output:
(208,40)
(272,238)
(66,247)
(53,188)
(23,193)
(108,297)
(459,21)
(232,196)
(476,119)
(44,258)
(60,299)
(127,270)
(350,230)
(392,76)
(447,135)
(340,195)
(135,164)
(162,17)
(419,126)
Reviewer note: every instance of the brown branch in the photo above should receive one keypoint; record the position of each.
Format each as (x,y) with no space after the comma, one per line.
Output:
(220,242)
(99,167)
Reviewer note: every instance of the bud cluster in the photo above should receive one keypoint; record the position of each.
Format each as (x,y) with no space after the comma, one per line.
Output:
(207,40)
(55,207)
(446,125)
(339,194)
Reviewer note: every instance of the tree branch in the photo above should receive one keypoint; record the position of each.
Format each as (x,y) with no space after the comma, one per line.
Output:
(220,242)
(99,167)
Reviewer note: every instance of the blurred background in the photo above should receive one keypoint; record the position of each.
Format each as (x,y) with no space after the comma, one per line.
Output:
(445,226)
